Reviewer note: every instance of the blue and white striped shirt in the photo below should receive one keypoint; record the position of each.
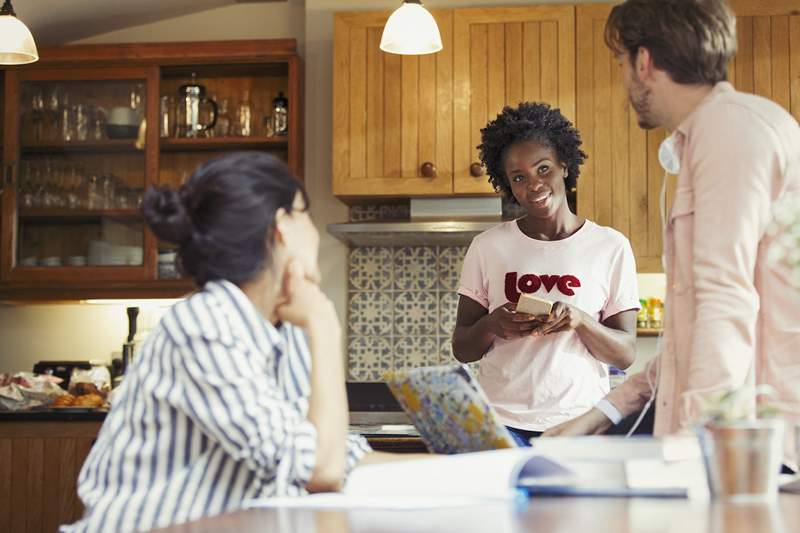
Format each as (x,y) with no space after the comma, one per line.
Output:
(211,413)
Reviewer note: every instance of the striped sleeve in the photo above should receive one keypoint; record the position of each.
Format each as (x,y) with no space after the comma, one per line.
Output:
(357,448)
(237,407)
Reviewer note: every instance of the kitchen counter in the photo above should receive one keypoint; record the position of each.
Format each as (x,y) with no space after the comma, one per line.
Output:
(53,415)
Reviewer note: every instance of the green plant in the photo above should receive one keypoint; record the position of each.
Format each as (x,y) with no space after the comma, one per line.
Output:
(736,405)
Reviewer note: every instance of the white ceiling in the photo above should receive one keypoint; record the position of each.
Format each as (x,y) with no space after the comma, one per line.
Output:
(63,21)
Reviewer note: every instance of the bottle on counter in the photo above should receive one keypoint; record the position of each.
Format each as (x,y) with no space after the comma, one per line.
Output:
(642,320)
(655,313)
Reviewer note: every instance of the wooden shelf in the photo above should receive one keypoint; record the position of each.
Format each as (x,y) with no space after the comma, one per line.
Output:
(76,215)
(222,143)
(78,147)
(648,332)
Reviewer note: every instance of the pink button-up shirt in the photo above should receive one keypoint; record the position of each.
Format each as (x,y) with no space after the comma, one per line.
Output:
(732,316)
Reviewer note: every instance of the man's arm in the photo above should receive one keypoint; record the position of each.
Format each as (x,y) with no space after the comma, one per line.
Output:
(732,166)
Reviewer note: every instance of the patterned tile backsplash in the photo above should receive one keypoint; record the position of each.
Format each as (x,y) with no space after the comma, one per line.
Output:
(401,307)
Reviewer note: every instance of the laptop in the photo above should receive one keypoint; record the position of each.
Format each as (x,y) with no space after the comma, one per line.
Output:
(449,408)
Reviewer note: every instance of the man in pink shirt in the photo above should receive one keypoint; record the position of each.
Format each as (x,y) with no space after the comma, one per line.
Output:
(732,316)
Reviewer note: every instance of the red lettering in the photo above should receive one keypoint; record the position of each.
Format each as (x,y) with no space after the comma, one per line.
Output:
(549,281)
(565,284)
(529,283)
(511,287)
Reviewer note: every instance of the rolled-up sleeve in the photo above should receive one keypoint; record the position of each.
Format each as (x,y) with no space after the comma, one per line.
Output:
(238,408)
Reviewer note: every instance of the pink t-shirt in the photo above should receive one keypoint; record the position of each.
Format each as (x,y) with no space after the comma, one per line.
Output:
(535,383)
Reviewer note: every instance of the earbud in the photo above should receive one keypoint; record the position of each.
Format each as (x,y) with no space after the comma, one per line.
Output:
(668,156)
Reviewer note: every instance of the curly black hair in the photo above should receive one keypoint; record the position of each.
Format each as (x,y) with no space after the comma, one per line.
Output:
(530,122)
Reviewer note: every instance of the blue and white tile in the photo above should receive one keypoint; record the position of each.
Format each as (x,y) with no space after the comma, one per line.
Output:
(451,259)
(369,313)
(368,358)
(370,268)
(412,352)
(416,313)
(448,308)
(446,356)
(415,268)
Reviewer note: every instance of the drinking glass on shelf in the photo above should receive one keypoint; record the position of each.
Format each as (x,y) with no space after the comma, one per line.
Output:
(94,200)
(223,126)
(268,126)
(81,117)
(27,188)
(107,190)
(244,114)
(66,122)
(52,115)
(136,97)
(167,120)
(37,115)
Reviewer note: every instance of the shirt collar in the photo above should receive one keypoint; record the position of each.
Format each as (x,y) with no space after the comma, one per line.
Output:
(250,321)
(682,131)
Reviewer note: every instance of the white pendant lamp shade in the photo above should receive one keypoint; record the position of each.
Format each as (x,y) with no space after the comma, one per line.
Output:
(16,42)
(411,30)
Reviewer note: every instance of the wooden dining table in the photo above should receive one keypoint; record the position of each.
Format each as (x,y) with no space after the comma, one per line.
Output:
(540,514)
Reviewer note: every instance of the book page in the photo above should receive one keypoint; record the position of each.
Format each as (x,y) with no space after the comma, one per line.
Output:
(481,475)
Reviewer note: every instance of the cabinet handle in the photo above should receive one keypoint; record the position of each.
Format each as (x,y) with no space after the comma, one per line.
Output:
(476,170)
(428,169)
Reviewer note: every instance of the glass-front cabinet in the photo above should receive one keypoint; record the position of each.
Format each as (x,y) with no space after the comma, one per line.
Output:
(79,175)
(88,129)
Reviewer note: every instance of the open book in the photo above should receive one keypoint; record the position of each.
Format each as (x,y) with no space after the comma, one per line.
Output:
(588,466)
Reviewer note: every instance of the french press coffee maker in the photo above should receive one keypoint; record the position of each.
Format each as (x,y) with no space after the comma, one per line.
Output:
(192,96)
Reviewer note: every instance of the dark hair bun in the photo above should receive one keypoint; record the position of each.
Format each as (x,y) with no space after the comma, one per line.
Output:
(164,211)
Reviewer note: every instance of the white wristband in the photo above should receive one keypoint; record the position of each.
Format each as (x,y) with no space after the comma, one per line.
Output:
(608,409)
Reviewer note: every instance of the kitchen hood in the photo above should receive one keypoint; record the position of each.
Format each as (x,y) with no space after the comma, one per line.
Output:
(432,222)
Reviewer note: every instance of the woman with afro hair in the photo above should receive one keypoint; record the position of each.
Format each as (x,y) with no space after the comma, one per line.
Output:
(541,370)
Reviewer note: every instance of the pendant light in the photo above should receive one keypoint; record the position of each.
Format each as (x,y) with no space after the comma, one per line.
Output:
(411,30)
(16,42)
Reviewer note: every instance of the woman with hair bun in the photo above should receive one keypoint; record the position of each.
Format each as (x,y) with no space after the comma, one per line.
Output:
(227,400)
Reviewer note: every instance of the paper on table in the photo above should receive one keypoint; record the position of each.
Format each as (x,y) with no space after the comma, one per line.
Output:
(338,500)
(438,481)
(481,475)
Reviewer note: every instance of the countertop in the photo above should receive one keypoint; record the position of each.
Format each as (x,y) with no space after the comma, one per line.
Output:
(53,415)
(57,415)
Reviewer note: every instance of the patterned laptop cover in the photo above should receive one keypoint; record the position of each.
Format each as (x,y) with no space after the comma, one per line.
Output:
(449,408)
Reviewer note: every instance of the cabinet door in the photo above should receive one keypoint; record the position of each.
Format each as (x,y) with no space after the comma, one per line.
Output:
(391,114)
(503,56)
(620,182)
(78,170)
(767,62)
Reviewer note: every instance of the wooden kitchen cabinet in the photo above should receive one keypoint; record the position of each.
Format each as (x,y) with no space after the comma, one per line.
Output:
(767,62)
(392,114)
(40,462)
(502,56)
(70,226)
